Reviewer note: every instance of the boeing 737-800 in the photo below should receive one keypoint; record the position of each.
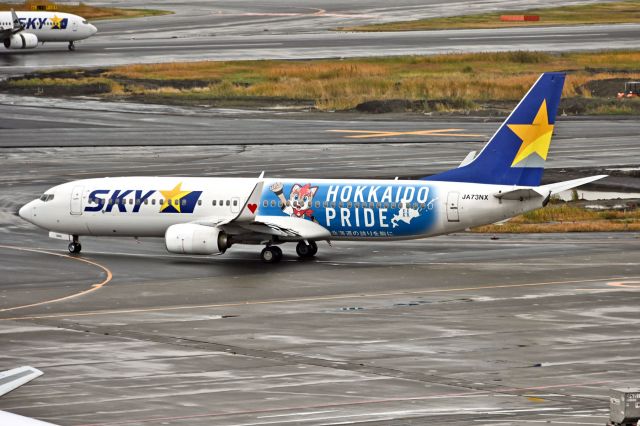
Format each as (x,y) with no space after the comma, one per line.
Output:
(208,215)
(24,30)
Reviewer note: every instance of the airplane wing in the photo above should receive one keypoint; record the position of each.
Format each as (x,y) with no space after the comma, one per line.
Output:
(247,221)
(13,379)
(16,420)
(288,227)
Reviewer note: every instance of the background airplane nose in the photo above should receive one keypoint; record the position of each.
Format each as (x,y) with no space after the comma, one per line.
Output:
(93,29)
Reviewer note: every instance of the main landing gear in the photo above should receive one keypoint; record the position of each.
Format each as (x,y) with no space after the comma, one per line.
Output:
(305,250)
(75,246)
(72,46)
(273,254)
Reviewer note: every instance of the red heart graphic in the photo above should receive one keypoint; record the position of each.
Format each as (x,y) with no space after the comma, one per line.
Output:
(252,207)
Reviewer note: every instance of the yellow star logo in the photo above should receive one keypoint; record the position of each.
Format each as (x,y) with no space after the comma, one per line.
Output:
(172,196)
(536,137)
(55,22)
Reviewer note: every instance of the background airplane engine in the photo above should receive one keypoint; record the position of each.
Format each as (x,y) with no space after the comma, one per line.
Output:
(21,41)
(188,238)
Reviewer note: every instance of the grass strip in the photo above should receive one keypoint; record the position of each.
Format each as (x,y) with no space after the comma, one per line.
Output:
(92,13)
(620,12)
(442,83)
(568,217)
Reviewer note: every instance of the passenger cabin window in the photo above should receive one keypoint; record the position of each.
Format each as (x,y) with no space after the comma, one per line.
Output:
(199,202)
(228,203)
(265,203)
(213,203)
(235,202)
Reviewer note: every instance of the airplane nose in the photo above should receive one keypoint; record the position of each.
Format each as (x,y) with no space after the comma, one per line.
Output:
(24,211)
(93,29)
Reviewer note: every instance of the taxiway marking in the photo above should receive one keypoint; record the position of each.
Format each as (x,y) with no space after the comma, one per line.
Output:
(311,299)
(361,402)
(625,284)
(94,287)
(362,134)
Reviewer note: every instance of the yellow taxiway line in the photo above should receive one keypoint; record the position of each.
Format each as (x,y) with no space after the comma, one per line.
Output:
(94,287)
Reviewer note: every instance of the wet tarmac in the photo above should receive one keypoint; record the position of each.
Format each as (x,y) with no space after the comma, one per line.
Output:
(456,330)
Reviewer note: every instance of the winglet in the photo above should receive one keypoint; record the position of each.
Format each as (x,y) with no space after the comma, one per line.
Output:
(17,26)
(13,379)
(250,208)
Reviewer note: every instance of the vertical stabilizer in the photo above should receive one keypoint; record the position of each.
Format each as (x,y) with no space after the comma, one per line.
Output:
(516,153)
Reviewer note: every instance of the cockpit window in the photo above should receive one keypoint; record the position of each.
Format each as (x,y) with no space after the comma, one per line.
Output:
(84,21)
(46,197)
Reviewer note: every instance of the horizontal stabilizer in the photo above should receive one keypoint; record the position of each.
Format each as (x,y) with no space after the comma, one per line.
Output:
(13,379)
(555,188)
(520,194)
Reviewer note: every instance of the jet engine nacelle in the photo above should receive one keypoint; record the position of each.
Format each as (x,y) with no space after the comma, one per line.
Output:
(189,238)
(21,40)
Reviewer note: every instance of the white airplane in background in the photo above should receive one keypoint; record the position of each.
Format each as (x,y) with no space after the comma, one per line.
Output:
(11,380)
(208,215)
(24,30)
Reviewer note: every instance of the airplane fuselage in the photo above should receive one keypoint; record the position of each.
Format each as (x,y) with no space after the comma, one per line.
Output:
(349,210)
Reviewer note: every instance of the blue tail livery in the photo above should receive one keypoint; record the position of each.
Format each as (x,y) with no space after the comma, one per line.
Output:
(516,153)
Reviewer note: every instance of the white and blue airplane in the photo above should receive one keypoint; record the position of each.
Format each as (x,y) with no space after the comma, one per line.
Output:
(24,30)
(206,216)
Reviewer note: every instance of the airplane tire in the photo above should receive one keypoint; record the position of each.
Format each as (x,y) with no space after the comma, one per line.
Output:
(72,46)
(278,252)
(75,248)
(306,250)
(269,255)
(314,248)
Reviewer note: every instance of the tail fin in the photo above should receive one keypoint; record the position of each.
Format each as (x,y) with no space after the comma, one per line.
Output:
(516,153)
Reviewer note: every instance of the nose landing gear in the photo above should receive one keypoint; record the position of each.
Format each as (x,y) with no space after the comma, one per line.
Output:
(72,46)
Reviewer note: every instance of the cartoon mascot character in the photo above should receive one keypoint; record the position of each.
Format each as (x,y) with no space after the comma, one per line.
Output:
(300,200)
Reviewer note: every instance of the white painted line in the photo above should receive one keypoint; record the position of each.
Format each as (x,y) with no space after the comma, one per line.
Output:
(527,36)
(193,46)
(297,414)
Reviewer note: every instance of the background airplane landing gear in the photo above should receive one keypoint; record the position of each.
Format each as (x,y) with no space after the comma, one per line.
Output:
(75,247)
(72,46)
(271,254)
(307,250)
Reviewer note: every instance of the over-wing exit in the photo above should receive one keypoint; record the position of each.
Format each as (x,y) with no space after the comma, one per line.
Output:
(209,215)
